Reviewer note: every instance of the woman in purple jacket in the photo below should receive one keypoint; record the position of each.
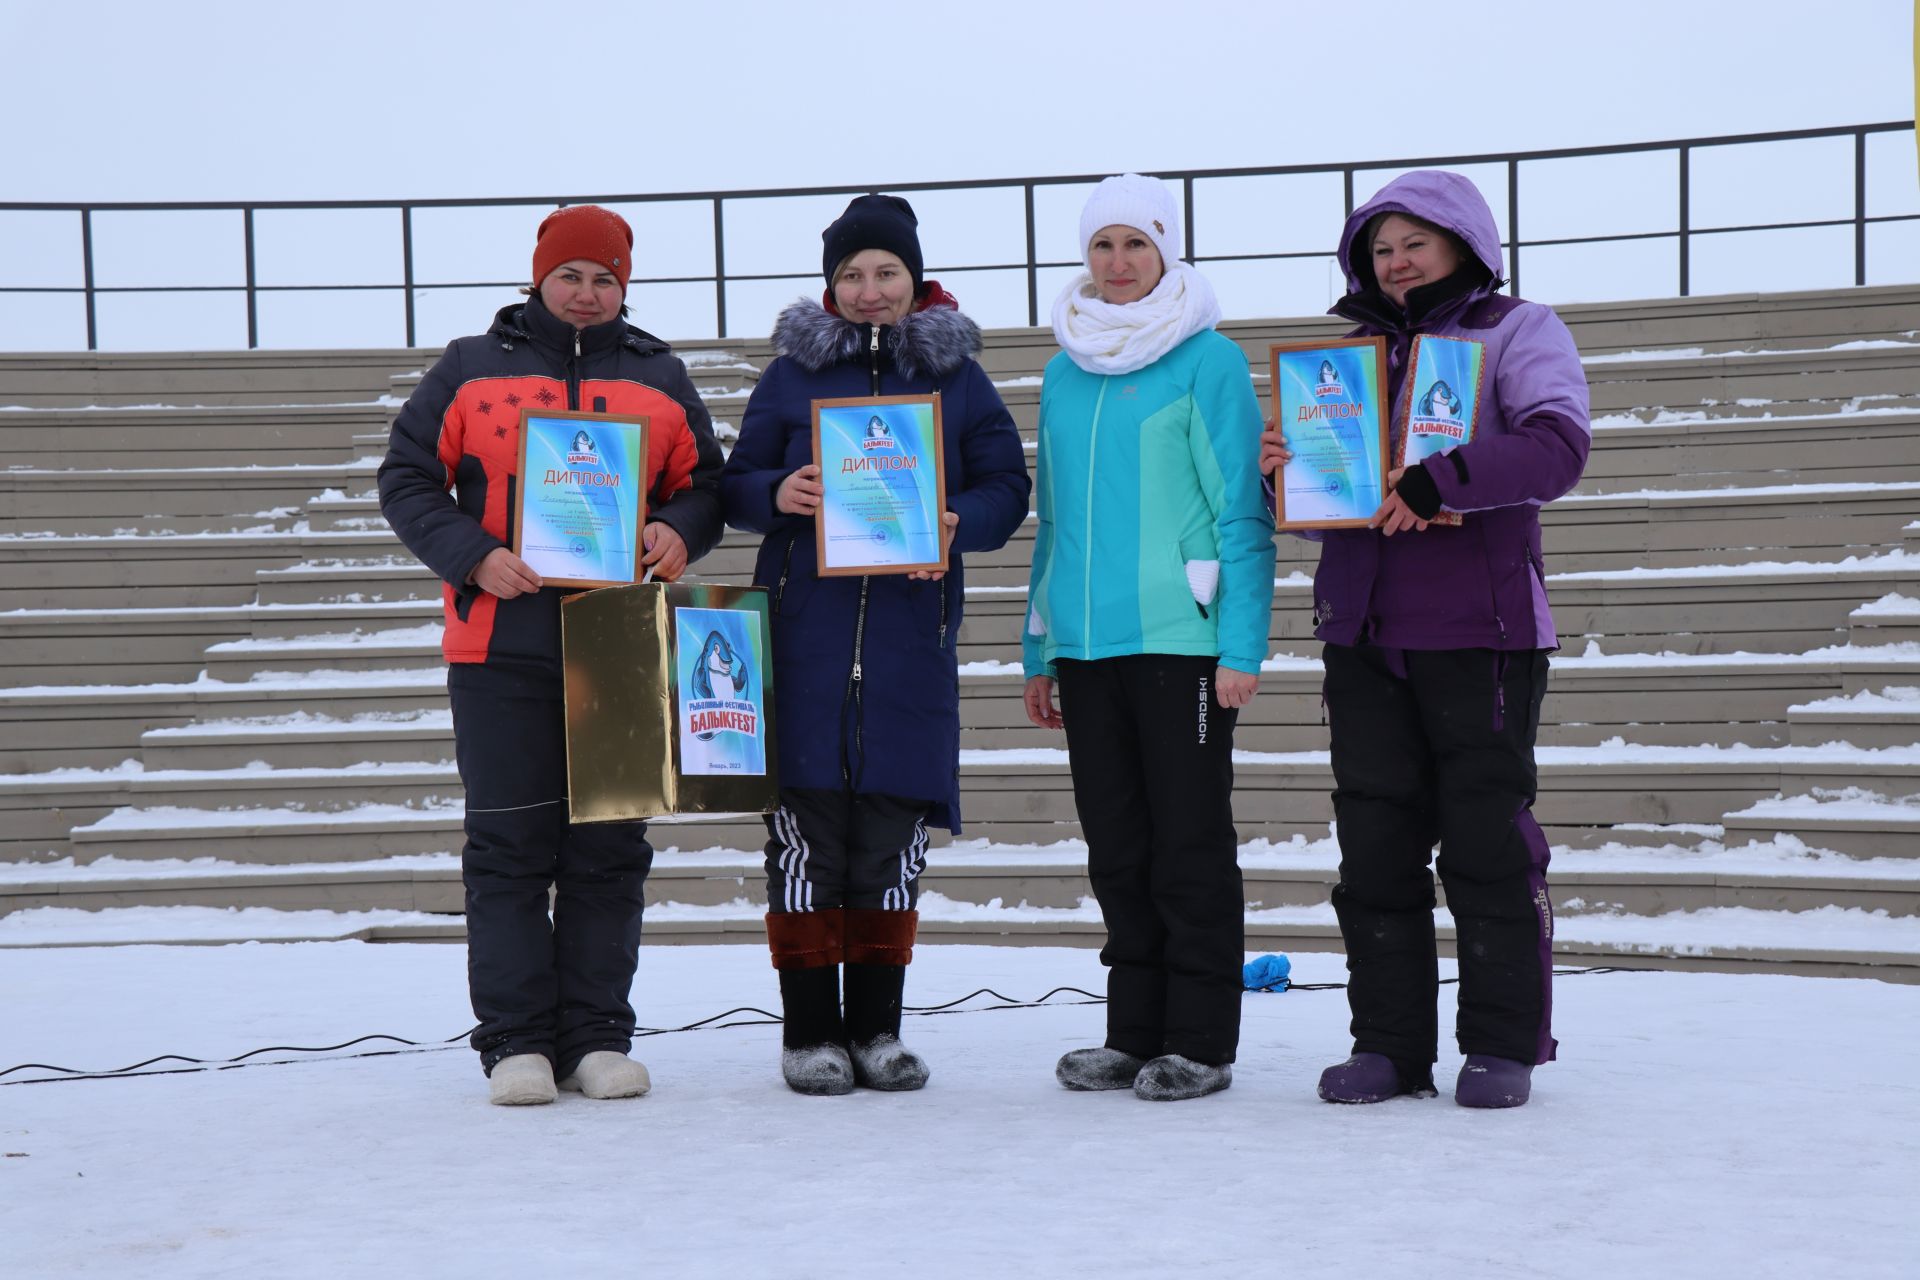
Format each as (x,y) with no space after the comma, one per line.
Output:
(1436,662)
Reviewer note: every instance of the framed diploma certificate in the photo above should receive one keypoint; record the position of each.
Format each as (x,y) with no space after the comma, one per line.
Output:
(582,497)
(1330,402)
(883,482)
(1442,402)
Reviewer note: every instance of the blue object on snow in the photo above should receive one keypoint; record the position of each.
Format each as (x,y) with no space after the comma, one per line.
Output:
(1266,973)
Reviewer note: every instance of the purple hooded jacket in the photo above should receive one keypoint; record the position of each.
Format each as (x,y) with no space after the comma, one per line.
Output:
(1480,584)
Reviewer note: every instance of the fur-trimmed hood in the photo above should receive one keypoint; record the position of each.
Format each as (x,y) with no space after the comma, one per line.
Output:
(930,343)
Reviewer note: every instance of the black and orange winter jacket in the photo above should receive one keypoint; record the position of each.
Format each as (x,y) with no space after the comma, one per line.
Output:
(448,483)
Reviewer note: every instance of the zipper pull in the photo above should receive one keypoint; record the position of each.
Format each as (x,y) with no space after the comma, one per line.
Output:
(875,347)
(576,344)
(856,672)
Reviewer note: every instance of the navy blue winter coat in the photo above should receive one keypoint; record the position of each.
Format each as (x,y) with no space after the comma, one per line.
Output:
(894,730)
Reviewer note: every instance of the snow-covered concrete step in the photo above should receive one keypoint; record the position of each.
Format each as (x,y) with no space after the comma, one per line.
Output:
(1759,607)
(358,511)
(1809,374)
(84,379)
(1006,795)
(40,647)
(398,577)
(266,836)
(1827,943)
(1774,877)
(420,882)
(1764,608)
(1893,772)
(1862,822)
(1670,700)
(180,437)
(399,648)
(159,570)
(1892,619)
(1737,940)
(142,646)
(183,499)
(351,833)
(1699,527)
(300,740)
(1736,386)
(1889,717)
(1694,449)
(77,811)
(81,726)
(358,616)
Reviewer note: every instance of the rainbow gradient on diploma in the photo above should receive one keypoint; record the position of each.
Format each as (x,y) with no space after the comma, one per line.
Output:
(877,465)
(1330,410)
(582,492)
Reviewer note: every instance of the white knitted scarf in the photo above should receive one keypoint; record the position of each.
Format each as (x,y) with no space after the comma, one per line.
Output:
(1111,338)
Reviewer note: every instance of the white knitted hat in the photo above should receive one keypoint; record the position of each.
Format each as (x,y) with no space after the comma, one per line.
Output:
(1130,200)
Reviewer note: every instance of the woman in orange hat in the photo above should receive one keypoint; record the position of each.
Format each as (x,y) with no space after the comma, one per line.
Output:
(550,992)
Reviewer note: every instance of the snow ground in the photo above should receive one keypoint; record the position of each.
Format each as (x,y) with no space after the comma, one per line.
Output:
(1698,1124)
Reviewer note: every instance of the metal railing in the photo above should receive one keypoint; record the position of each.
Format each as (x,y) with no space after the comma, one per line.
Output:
(1683,232)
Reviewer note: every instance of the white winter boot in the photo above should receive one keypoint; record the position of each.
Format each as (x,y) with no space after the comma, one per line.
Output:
(606,1074)
(521,1080)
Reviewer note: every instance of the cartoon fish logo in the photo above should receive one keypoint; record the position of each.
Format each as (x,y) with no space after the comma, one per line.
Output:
(1440,401)
(720,673)
(878,436)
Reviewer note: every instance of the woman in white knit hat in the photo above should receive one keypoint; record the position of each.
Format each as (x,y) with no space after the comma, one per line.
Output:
(1149,599)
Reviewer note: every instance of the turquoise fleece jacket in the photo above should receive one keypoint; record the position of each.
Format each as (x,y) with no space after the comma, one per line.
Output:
(1153,535)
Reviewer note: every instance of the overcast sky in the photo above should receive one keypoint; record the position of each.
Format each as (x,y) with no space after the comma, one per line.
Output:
(223,100)
(234,99)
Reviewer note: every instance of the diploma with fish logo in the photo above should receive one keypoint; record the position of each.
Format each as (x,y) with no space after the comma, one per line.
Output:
(1329,402)
(582,497)
(719,700)
(1442,403)
(883,482)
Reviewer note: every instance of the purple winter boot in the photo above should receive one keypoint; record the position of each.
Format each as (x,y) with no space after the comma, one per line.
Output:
(1373,1077)
(1487,1081)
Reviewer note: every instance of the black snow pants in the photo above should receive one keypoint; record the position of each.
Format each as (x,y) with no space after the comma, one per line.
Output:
(552,985)
(1151,750)
(1437,746)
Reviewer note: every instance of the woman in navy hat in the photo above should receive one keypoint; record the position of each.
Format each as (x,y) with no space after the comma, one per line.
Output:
(866,682)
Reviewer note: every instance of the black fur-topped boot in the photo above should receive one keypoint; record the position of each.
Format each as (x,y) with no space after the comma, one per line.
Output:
(880,1061)
(879,947)
(813,1038)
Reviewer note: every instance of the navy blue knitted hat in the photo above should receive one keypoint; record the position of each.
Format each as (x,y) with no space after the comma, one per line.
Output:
(874,222)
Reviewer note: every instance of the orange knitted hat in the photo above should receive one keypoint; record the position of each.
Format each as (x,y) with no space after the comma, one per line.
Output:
(584,231)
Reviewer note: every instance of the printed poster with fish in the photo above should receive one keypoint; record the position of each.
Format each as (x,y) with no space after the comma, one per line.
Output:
(883,483)
(581,497)
(1329,403)
(1442,402)
(720,662)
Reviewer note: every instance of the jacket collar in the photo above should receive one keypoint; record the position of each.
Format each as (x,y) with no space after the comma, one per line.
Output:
(1425,305)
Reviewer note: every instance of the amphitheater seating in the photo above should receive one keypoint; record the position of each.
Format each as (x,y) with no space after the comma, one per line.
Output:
(220,681)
